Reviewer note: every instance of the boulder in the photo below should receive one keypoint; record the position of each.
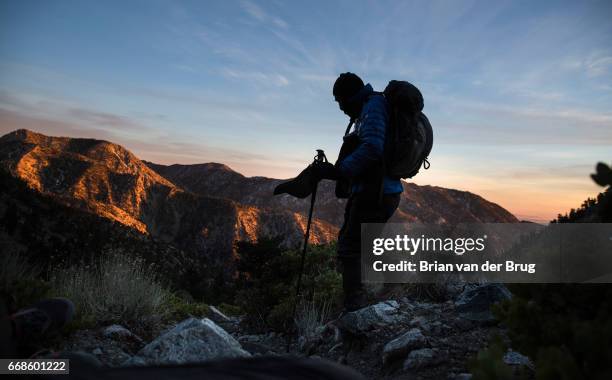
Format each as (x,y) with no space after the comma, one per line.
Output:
(400,346)
(251,338)
(431,326)
(193,340)
(475,303)
(217,315)
(424,357)
(365,319)
(462,376)
(514,358)
(120,333)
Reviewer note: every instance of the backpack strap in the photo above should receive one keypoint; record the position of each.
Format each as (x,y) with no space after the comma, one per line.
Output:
(348,127)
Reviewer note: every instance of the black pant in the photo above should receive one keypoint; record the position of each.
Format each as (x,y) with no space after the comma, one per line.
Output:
(360,208)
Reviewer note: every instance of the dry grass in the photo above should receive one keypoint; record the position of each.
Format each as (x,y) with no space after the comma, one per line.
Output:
(117,289)
(14,268)
(310,317)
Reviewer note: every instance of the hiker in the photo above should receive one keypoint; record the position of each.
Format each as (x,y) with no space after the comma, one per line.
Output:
(372,196)
(391,139)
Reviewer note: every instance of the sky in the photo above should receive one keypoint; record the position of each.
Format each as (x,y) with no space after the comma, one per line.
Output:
(519,92)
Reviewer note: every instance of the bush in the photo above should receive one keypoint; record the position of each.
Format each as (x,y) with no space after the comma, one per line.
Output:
(267,277)
(489,364)
(20,281)
(117,289)
(229,310)
(178,309)
(566,329)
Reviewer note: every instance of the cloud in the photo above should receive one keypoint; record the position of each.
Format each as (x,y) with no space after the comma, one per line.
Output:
(598,66)
(103,119)
(168,150)
(185,68)
(11,120)
(475,122)
(275,79)
(39,106)
(257,13)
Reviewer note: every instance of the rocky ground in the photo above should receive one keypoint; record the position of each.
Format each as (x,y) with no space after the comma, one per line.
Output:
(393,339)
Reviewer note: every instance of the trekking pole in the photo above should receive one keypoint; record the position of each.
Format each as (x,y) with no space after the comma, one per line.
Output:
(320,157)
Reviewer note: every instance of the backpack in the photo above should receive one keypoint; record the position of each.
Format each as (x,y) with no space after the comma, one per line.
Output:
(409,134)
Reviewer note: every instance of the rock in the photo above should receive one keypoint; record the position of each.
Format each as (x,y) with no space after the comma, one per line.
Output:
(83,358)
(474,304)
(438,328)
(462,324)
(463,376)
(426,306)
(400,346)
(118,332)
(217,315)
(367,318)
(249,338)
(454,288)
(419,321)
(193,340)
(135,361)
(424,357)
(431,326)
(255,348)
(109,352)
(517,359)
(307,345)
(114,356)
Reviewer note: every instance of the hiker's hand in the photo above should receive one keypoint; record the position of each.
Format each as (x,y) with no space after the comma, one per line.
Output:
(324,170)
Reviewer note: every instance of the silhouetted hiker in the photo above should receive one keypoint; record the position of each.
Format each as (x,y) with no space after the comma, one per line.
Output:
(372,196)
(392,139)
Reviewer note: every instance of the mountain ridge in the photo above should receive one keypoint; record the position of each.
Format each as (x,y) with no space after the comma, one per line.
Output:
(427,204)
(203,208)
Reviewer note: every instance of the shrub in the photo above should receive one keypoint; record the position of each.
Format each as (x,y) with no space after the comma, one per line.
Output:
(489,364)
(566,329)
(267,277)
(229,310)
(117,289)
(177,308)
(20,280)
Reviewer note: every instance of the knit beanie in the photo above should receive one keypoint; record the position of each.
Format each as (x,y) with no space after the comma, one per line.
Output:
(347,85)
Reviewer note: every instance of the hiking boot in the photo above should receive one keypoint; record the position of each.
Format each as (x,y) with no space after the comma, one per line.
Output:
(44,316)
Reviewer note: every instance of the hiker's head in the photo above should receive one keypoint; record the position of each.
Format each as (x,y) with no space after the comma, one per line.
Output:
(345,88)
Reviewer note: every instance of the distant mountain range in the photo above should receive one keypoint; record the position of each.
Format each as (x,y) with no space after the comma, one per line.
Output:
(203,208)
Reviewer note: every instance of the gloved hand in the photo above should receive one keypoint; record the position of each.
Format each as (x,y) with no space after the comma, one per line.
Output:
(324,170)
